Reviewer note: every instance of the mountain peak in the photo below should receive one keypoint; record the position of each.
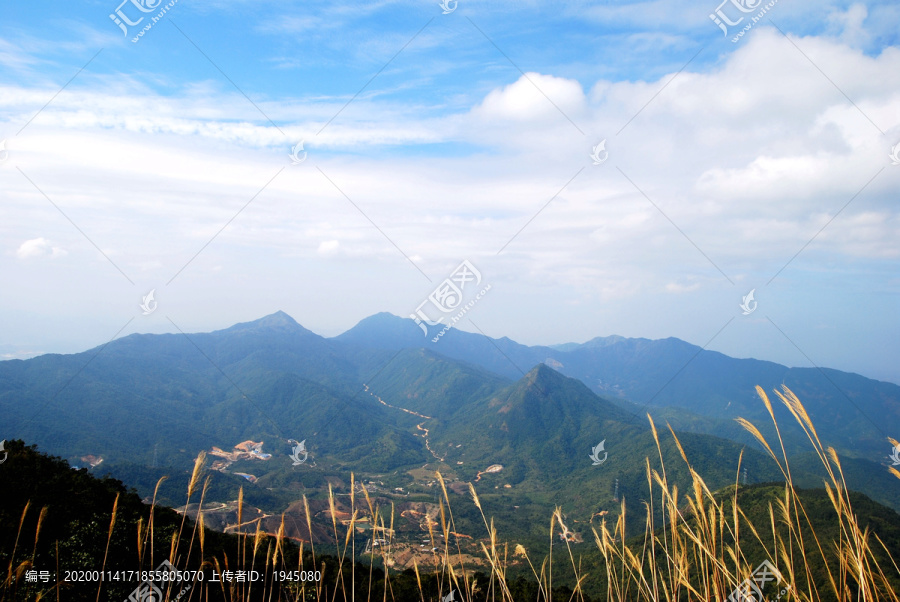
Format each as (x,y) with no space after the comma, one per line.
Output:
(279,317)
(546,395)
(382,317)
(384,330)
(604,341)
(278,321)
(542,372)
(547,379)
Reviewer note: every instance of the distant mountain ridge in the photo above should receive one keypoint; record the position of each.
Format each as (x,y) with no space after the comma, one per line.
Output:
(854,412)
(382,398)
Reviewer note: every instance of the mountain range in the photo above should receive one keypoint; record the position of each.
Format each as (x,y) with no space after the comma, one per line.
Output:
(703,390)
(386,403)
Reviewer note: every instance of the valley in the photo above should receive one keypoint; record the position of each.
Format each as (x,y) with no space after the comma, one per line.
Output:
(383,421)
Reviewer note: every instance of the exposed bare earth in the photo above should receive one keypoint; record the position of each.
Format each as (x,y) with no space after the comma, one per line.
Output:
(410,542)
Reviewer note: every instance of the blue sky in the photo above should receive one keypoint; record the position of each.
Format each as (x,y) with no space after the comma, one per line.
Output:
(431,138)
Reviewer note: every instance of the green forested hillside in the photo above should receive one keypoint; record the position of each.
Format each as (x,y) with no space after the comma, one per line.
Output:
(68,527)
(855,413)
(148,404)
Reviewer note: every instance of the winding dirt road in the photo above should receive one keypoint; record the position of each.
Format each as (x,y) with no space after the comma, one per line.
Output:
(418,426)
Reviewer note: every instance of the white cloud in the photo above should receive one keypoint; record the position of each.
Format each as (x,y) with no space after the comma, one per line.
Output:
(532,97)
(38,247)
(850,24)
(287,24)
(759,146)
(21,355)
(328,247)
(677,288)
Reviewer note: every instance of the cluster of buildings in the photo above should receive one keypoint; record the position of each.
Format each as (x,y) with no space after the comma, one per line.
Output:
(246,450)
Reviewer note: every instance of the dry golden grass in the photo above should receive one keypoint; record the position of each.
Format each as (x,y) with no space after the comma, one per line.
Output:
(698,551)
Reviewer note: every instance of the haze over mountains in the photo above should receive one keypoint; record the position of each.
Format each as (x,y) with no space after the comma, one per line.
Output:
(855,412)
(383,401)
